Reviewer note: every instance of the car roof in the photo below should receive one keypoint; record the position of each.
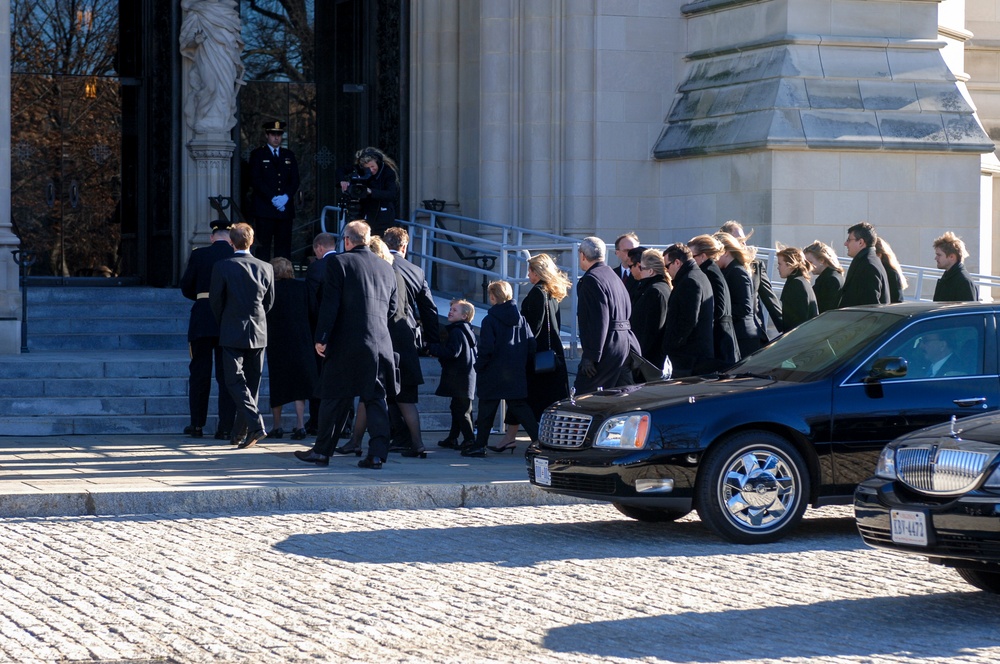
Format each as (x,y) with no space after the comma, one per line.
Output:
(916,307)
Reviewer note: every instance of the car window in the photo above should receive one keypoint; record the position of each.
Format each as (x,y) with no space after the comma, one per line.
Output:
(946,347)
(818,346)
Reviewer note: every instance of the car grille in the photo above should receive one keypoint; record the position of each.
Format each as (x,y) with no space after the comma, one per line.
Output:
(934,470)
(562,429)
(579,483)
(945,543)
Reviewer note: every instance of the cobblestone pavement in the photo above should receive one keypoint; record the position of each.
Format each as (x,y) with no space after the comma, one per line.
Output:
(575,583)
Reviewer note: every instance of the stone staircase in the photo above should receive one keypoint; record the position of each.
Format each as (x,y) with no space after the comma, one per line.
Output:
(114,360)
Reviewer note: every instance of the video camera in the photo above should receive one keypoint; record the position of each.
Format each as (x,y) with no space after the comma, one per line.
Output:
(357,185)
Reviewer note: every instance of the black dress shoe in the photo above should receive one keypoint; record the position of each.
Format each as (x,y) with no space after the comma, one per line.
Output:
(222,435)
(347,449)
(474,452)
(374,463)
(398,447)
(276,433)
(252,440)
(312,457)
(298,434)
(238,437)
(414,454)
(448,444)
(193,431)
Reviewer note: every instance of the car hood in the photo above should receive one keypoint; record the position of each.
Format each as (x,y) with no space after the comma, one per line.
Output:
(970,430)
(659,394)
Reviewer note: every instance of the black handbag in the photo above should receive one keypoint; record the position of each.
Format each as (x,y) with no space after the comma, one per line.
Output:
(545,360)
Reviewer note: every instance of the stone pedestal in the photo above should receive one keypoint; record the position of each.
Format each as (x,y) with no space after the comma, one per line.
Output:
(207,174)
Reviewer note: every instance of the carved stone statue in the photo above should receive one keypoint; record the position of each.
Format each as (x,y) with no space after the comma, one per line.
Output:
(210,40)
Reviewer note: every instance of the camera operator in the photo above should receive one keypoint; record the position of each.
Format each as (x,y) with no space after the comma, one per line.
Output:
(375,184)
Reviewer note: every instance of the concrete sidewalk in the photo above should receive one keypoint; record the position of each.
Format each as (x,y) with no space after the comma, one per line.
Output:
(167,474)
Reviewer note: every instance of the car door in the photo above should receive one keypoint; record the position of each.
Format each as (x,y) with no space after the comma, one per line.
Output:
(951,369)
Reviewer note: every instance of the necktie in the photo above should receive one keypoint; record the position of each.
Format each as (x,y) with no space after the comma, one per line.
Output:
(275,151)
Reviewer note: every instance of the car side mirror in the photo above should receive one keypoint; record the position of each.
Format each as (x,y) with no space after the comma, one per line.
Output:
(887,367)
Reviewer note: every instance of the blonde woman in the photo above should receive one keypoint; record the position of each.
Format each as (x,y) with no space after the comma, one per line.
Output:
(893,271)
(798,302)
(734,261)
(540,309)
(705,249)
(829,275)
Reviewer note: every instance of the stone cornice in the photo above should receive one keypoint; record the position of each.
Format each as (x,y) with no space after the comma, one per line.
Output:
(823,40)
(708,6)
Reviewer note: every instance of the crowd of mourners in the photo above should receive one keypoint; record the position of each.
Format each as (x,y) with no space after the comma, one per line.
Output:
(355,328)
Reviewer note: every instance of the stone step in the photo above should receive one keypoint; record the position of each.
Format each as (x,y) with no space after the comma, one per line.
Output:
(75,325)
(139,294)
(116,310)
(109,342)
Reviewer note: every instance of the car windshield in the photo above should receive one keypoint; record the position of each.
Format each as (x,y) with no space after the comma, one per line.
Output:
(817,347)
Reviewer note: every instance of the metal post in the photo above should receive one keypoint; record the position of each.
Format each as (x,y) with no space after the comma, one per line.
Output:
(24,259)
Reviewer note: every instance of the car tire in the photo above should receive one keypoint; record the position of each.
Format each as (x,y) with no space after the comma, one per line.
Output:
(988,581)
(650,514)
(753,488)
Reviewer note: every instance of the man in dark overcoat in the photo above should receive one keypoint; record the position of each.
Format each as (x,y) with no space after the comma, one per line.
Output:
(690,315)
(866,281)
(603,312)
(955,285)
(241,294)
(324,246)
(359,299)
(203,336)
(274,175)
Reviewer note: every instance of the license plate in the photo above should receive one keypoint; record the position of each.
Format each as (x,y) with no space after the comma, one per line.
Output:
(908,527)
(542,474)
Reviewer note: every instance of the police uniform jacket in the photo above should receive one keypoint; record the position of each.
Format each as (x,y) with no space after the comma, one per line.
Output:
(272,176)
(198,279)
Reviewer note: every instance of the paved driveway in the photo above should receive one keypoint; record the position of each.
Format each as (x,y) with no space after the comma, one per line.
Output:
(573,583)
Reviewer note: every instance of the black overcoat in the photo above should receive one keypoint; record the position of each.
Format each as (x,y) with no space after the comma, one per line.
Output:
(457,356)
(829,283)
(956,285)
(359,298)
(379,207)
(291,364)
(765,296)
(649,318)
(798,303)
(541,313)
(315,276)
(606,338)
(895,281)
(690,320)
(727,351)
(403,341)
(506,345)
(421,311)
(241,294)
(198,279)
(866,281)
(743,300)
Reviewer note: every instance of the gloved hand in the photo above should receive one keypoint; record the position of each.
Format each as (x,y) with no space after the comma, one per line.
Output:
(281,200)
(588,368)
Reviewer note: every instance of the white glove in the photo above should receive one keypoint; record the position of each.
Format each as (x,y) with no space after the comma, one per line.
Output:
(279,201)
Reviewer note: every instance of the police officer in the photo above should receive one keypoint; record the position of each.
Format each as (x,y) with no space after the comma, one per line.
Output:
(274,175)
(203,336)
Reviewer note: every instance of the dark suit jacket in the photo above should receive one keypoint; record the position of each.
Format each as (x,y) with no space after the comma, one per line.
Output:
(827,288)
(359,300)
(271,176)
(766,297)
(727,351)
(956,285)
(798,303)
(241,294)
(603,312)
(649,318)
(422,313)
(198,279)
(630,282)
(315,275)
(866,281)
(690,320)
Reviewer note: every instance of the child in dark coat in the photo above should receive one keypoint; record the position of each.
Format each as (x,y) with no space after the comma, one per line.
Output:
(457,356)
(506,345)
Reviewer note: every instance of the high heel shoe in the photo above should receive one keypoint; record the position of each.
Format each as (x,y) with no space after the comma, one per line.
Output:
(503,448)
(347,449)
(414,454)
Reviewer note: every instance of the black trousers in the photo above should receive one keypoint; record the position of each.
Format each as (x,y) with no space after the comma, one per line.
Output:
(461,420)
(488,411)
(242,368)
(204,351)
(333,417)
(266,231)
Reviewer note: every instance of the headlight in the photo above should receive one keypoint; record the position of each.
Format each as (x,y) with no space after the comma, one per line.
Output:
(886,467)
(993,481)
(624,432)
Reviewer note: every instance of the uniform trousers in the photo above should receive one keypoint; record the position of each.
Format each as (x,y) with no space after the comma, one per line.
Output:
(242,368)
(278,231)
(203,351)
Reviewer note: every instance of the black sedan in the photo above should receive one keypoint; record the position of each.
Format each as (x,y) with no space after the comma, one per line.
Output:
(799,422)
(936,493)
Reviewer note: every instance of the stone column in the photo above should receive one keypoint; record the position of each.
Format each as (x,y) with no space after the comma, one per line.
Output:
(10,296)
(209,175)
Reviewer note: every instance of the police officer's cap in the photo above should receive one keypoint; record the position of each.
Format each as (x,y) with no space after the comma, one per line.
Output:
(275,126)
(221,225)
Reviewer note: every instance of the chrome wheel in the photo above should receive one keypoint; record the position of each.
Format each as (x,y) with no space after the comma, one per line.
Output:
(754,488)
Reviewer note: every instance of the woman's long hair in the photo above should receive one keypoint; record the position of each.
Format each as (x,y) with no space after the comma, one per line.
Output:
(825,254)
(553,280)
(734,248)
(380,158)
(885,252)
(796,261)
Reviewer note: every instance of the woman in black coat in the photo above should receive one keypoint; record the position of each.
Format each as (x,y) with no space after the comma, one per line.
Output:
(893,271)
(829,275)
(382,186)
(734,263)
(291,367)
(540,309)
(705,249)
(649,313)
(798,302)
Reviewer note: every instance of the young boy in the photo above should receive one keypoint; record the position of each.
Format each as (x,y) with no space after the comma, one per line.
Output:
(506,344)
(458,380)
